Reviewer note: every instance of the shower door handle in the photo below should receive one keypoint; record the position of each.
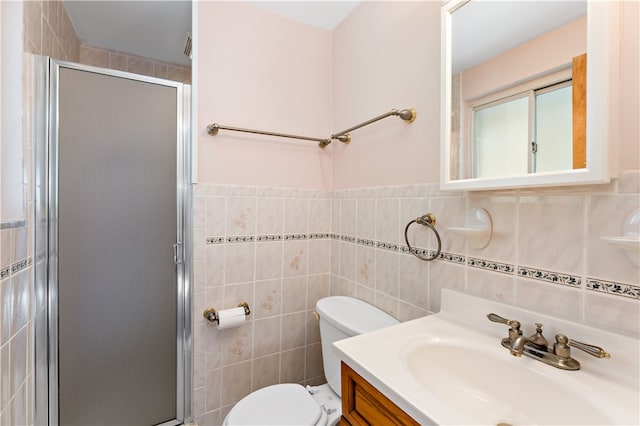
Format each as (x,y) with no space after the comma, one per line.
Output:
(177,253)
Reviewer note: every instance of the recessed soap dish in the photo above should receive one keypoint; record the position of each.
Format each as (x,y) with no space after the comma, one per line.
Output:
(630,239)
(477,228)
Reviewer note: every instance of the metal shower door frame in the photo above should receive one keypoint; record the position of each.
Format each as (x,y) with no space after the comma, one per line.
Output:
(46,97)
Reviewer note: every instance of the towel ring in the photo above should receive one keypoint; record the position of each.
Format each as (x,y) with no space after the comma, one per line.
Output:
(428,220)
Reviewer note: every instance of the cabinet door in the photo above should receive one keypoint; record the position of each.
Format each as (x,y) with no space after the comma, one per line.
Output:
(363,404)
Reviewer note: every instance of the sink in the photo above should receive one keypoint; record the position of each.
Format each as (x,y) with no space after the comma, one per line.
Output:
(450,368)
(493,389)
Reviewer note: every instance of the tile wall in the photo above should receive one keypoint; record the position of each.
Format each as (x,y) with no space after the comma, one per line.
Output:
(283,249)
(106,58)
(545,253)
(16,366)
(47,30)
(270,248)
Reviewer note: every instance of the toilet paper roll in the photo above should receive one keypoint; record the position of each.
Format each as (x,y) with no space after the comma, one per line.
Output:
(229,318)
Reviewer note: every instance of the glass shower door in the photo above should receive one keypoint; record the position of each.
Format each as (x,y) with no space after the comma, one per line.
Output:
(117,226)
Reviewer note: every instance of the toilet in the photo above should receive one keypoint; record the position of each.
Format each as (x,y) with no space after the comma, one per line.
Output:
(294,404)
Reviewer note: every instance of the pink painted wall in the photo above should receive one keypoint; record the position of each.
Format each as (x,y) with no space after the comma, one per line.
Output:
(629,85)
(532,59)
(387,55)
(262,71)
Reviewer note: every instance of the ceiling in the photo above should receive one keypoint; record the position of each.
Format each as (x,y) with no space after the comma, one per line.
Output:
(153,29)
(484,29)
(158,29)
(324,14)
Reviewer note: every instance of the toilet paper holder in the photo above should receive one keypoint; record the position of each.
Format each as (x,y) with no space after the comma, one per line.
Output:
(212,315)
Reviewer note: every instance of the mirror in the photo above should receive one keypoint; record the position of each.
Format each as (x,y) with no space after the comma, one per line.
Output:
(515,76)
(13,200)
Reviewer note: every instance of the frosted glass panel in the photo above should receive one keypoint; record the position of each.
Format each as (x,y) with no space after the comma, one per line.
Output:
(554,130)
(501,139)
(117,226)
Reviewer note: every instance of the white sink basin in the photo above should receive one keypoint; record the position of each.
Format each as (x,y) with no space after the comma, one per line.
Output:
(491,389)
(450,368)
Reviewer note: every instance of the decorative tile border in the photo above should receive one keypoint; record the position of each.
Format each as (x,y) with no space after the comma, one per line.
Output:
(593,284)
(365,242)
(617,289)
(19,266)
(387,246)
(16,267)
(444,256)
(261,238)
(551,277)
(452,258)
(420,251)
(293,237)
(266,238)
(490,265)
(322,236)
(240,239)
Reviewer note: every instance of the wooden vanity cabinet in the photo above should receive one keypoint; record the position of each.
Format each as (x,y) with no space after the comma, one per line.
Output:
(363,404)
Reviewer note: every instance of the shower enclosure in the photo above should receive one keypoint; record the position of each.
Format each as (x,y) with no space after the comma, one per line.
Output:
(112,277)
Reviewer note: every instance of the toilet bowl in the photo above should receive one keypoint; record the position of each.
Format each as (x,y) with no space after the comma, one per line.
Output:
(287,404)
(293,404)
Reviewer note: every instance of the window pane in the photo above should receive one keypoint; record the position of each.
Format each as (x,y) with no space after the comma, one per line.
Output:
(501,139)
(554,130)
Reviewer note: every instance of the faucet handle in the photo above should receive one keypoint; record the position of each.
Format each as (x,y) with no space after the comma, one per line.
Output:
(561,347)
(514,331)
(497,318)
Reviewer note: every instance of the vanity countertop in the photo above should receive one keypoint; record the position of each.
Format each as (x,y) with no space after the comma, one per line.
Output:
(450,368)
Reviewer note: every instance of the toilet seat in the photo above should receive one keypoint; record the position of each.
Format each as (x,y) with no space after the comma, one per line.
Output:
(283,404)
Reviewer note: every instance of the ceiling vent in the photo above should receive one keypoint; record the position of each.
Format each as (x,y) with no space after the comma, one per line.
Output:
(187,47)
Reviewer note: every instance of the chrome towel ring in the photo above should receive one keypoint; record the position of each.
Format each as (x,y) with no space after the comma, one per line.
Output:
(428,220)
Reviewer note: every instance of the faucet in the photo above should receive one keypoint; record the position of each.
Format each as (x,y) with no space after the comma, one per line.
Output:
(537,340)
(536,346)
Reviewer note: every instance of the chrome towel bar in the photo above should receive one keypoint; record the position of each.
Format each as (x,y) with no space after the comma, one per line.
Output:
(408,115)
(212,129)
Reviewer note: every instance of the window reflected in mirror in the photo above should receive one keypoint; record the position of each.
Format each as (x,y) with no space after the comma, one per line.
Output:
(551,146)
(530,131)
(500,137)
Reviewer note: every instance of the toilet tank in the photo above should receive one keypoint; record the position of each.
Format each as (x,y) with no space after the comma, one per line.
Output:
(342,317)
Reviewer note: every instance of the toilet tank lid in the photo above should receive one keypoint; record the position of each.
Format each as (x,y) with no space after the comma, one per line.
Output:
(352,316)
